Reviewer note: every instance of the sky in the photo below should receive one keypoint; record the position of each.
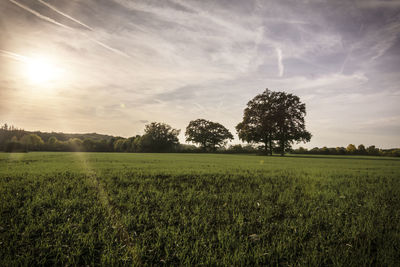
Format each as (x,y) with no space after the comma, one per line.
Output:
(112,66)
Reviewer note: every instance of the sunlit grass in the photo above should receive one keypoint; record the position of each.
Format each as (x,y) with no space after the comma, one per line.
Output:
(191,209)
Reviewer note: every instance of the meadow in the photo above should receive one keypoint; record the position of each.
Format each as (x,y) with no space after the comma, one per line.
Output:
(198,209)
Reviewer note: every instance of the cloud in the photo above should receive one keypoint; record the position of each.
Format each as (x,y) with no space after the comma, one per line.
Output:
(116,51)
(213,38)
(174,61)
(281,68)
(385,39)
(373,4)
(12,55)
(48,19)
(65,15)
(37,14)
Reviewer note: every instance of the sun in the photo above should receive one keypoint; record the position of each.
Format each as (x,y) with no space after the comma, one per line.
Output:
(40,70)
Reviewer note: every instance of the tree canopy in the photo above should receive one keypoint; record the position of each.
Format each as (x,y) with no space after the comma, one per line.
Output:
(209,135)
(351,148)
(159,137)
(31,141)
(274,118)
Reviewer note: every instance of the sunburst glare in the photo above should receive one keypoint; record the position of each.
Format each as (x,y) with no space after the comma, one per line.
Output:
(40,70)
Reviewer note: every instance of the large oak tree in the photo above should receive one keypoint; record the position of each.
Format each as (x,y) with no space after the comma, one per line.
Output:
(274,118)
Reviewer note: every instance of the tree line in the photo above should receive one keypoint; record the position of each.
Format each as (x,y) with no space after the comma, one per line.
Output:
(272,122)
(158,137)
(18,140)
(349,150)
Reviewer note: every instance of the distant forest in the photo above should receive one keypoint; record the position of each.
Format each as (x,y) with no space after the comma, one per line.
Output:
(13,139)
(272,122)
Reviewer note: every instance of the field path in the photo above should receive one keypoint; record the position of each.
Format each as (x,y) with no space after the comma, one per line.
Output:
(113,213)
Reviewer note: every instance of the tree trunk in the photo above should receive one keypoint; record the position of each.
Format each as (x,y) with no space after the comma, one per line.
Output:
(282,143)
(266,142)
(270,145)
(266,147)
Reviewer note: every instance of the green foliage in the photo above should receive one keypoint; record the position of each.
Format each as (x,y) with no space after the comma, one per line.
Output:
(159,137)
(241,149)
(16,140)
(210,135)
(274,118)
(372,150)
(302,150)
(259,122)
(52,140)
(15,146)
(89,144)
(198,209)
(361,149)
(185,148)
(121,145)
(32,141)
(340,150)
(351,149)
(75,144)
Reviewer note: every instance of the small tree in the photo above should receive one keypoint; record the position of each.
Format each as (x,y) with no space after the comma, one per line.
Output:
(351,149)
(159,137)
(209,135)
(361,150)
(341,150)
(372,150)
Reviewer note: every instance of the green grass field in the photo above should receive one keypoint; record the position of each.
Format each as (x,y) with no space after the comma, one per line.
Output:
(198,209)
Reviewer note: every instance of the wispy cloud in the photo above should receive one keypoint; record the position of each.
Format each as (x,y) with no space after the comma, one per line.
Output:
(281,68)
(385,39)
(350,51)
(378,4)
(116,51)
(48,19)
(37,14)
(13,55)
(65,15)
